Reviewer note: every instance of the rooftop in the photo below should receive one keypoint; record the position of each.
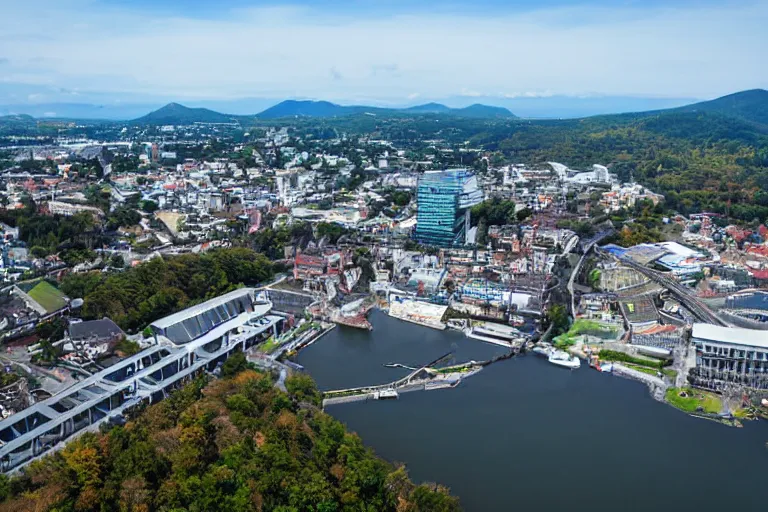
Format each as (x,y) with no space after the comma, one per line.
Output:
(104,328)
(200,308)
(735,335)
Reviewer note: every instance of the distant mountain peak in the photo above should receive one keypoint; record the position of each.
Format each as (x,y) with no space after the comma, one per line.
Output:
(176,113)
(310,108)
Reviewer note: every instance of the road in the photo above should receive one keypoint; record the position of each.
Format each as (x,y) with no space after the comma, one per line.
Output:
(590,243)
(700,310)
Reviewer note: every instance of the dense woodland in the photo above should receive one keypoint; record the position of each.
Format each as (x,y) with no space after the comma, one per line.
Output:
(139,295)
(233,444)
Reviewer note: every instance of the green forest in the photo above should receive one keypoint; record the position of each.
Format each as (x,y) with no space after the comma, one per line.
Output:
(232,444)
(162,286)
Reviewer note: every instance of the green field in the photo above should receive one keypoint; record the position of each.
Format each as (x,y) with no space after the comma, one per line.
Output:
(47,296)
(709,402)
(583,326)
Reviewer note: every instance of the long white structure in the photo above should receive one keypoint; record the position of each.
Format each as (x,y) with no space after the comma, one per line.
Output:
(730,355)
(187,343)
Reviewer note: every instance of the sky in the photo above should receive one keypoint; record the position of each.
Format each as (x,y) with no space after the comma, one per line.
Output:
(385,52)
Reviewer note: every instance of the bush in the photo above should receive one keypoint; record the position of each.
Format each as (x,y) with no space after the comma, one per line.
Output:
(234,365)
(613,355)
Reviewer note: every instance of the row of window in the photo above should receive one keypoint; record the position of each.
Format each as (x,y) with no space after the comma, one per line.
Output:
(735,353)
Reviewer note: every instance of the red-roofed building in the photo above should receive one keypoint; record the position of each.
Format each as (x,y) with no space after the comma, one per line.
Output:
(305,267)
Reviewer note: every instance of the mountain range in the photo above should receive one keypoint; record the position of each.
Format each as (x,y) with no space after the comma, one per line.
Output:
(174,113)
(750,106)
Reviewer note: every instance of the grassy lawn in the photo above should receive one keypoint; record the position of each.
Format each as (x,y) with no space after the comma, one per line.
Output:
(47,296)
(621,357)
(269,346)
(644,369)
(669,372)
(743,414)
(710,402)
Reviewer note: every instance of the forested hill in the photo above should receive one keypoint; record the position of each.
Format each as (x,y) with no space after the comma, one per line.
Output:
(701,161)
(749,105)
(237,445)
(174,113)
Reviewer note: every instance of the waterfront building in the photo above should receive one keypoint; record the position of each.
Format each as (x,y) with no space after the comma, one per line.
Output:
(484,290)
(187,343)
(444,200)
(727,355)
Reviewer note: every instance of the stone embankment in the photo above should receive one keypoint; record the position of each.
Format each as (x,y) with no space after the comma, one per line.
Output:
(657,385)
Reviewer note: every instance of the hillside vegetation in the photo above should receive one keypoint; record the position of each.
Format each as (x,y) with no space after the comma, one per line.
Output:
(174,113)
(710,156)
(159,287)
(235,444)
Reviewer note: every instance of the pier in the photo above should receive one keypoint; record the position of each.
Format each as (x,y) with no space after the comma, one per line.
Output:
(423,378)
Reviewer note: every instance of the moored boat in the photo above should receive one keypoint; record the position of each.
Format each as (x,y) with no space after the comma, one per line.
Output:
(542,350)
(564,359)
(605,367)
(385,394)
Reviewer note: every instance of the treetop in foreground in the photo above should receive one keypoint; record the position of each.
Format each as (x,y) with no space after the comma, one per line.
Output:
(235,444)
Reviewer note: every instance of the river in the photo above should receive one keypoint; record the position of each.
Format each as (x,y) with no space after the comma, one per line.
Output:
(526,435)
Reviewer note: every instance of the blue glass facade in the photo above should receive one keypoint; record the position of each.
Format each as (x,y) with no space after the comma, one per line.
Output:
(444,199)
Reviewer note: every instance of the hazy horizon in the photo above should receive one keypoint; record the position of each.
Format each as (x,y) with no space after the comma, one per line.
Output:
(545,108)
(596,54)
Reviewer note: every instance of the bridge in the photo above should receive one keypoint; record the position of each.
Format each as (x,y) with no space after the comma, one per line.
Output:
(425,377)
(587,246)
(700,310)
(419,378)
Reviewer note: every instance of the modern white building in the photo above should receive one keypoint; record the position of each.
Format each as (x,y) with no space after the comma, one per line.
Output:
(187,343)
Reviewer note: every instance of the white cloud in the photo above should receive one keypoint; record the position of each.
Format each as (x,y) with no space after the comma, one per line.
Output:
(413,95)
(471,94)
(527,94)
(301,52)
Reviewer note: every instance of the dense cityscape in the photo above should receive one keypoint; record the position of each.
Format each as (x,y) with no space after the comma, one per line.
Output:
(162,277)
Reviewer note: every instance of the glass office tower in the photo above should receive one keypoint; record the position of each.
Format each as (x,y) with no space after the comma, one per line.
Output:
(444,199)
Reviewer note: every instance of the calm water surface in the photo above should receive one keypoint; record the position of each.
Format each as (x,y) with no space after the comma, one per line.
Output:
(526,435)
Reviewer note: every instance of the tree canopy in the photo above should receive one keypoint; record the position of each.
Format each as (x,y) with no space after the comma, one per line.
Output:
(162,286)
(235,444)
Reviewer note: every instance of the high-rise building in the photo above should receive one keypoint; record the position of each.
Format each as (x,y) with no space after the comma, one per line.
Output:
(444,200)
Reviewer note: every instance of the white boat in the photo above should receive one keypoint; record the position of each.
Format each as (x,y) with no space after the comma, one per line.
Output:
(385,394)
(564,359)
(542,350)
(605,367)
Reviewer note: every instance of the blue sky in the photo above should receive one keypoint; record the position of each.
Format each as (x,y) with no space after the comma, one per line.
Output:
(385,52)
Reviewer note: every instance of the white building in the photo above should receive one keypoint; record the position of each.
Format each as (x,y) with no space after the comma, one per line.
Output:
(186,343)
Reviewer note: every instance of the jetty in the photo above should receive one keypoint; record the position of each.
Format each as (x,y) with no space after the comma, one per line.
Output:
(424,378)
